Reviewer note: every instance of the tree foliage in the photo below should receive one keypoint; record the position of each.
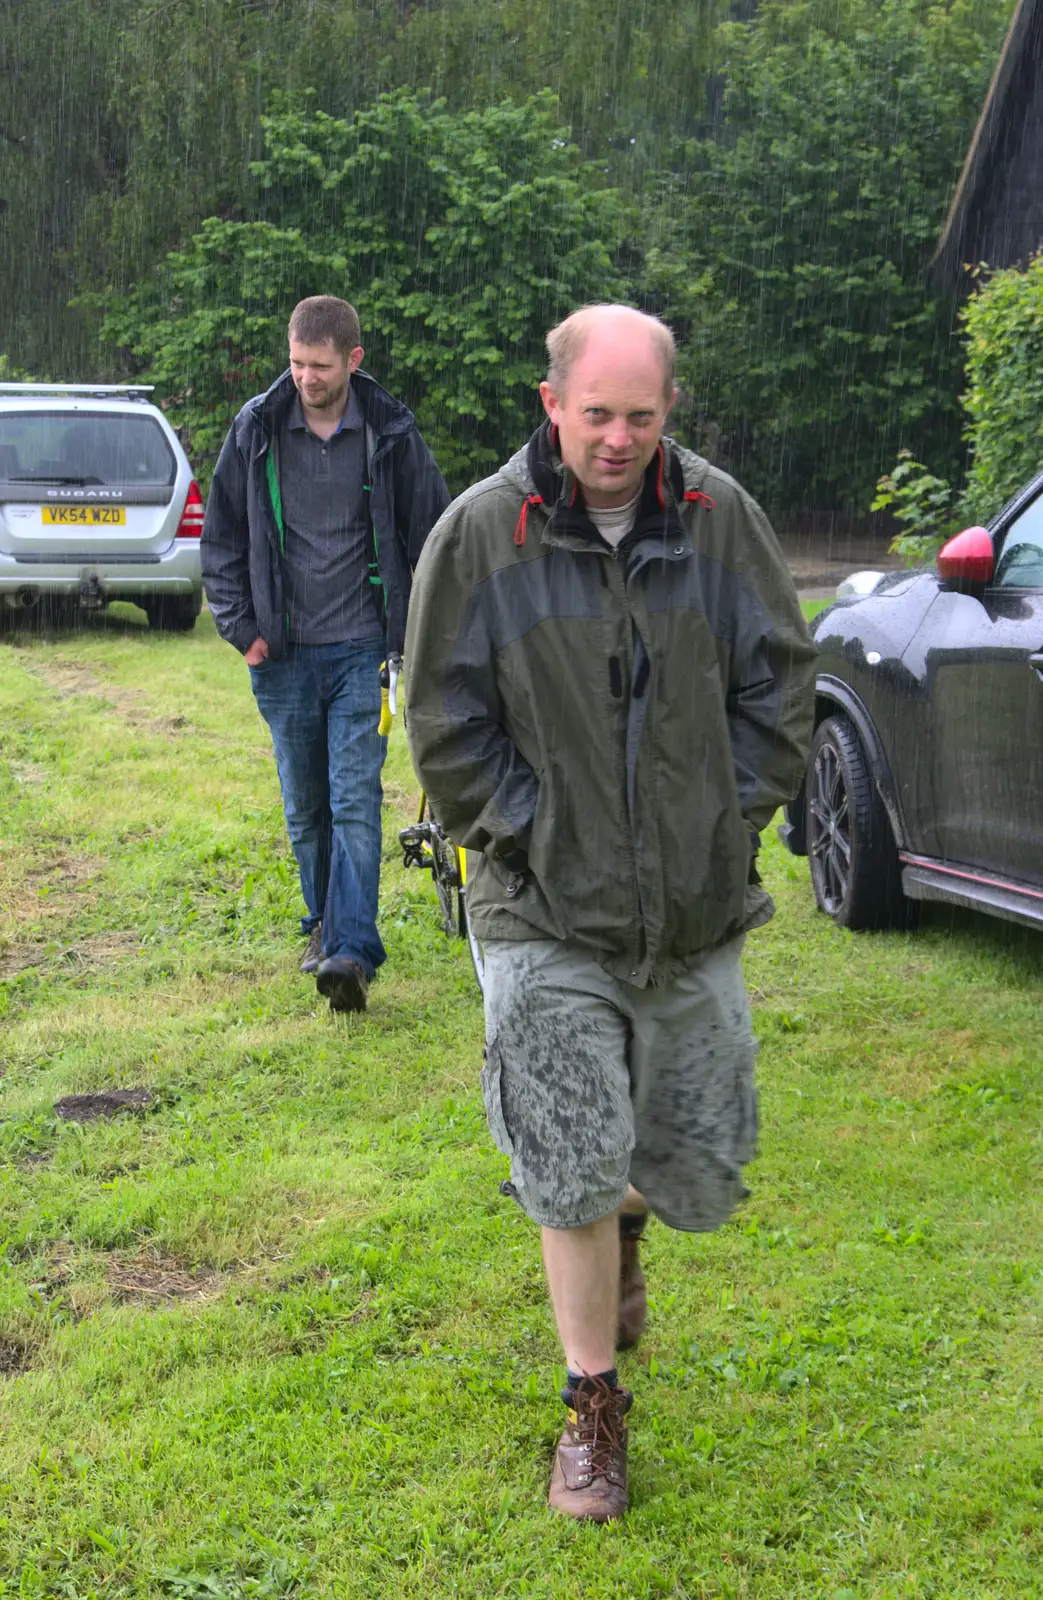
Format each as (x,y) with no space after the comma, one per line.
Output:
(786,177)
(924,506)
(459,237)
(793,252)
(124,124)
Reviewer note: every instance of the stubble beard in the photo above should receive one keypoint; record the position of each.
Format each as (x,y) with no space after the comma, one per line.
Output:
(334,404)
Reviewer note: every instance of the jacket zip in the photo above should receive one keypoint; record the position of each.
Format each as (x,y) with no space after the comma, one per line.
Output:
(640,953)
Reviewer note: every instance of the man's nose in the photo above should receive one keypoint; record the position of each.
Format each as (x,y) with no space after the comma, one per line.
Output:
(618,435)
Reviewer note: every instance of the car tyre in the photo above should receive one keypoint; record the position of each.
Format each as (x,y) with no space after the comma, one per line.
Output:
(855,871)
(173,613)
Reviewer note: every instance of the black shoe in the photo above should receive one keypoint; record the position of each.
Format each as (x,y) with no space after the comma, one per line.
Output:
(343,983)
(313,954)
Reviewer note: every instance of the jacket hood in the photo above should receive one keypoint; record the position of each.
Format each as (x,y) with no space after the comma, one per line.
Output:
(538,472)
(381,411)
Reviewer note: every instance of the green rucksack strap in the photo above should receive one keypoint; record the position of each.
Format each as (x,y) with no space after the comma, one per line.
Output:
(272,470)
(373,561)
(271,467)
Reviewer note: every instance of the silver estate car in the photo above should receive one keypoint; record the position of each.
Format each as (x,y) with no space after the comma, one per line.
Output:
(97,503)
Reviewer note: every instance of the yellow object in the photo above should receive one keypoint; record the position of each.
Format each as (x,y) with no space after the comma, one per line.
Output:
(93,516)
(384,725)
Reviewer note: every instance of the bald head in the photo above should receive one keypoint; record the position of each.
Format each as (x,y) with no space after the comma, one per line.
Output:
(608,391)
(609,325)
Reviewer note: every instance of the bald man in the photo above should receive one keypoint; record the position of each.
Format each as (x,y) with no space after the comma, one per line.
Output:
(610,695)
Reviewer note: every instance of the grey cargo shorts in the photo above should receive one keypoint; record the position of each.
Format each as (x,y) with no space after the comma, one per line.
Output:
(591,1084)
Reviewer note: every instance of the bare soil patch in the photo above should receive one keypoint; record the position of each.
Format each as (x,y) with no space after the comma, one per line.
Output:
(46,890)
(171,726)
(101,949)
(28,772)
(98,950)
(63,873)
(73,679)
(14,1358)
(399,798)
(61,1262)
(103,1103)
(147,1277)
(151,1279)
(913,1076)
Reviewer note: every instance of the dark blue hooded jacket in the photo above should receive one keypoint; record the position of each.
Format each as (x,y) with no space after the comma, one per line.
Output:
(242,547)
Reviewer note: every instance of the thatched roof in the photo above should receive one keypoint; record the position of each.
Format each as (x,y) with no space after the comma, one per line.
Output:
(1012,95)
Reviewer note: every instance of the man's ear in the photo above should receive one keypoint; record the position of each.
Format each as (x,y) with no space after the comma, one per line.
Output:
(551,402)
(355,358)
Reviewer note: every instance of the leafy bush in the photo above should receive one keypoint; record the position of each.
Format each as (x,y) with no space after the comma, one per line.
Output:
(9,373)
(459,237)
(923,504)
(1003,353)
(1003,339)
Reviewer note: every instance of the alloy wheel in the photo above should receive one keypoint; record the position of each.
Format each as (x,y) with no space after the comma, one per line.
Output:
(829,829)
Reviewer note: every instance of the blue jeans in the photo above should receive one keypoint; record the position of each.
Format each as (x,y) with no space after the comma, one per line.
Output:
(322,704)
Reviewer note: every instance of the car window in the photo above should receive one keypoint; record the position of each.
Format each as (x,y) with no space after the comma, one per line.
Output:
(84,447)
(1021,560)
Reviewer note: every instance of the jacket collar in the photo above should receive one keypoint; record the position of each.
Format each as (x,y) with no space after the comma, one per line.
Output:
(555,487)
(380,411)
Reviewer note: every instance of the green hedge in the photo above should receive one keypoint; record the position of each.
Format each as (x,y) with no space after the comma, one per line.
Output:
(1003,328)
(1003,359)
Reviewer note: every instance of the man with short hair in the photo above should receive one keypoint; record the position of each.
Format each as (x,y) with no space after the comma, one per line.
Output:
(321,500)
(610,695)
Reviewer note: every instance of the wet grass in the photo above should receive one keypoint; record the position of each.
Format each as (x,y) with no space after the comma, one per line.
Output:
(277,1333)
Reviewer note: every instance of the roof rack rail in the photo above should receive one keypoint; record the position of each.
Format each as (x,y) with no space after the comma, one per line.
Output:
(98,389)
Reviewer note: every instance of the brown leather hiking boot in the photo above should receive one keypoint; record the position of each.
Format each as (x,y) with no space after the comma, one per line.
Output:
(589,1480)
(313,953)
(633,1301)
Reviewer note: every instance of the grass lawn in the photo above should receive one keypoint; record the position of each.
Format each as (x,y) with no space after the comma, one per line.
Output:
(279,1334)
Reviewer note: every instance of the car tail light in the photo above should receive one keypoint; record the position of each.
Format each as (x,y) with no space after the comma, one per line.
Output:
(191,524)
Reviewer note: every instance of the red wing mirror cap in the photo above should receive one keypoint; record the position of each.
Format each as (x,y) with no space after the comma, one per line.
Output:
(968,558)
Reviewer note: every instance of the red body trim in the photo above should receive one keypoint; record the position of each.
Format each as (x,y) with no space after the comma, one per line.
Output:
(969,877)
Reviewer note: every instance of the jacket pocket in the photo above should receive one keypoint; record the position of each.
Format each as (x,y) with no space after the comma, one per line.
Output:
(510,880)
(492,1094)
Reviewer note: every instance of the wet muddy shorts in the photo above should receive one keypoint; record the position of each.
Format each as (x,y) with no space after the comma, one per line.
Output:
(591,1084)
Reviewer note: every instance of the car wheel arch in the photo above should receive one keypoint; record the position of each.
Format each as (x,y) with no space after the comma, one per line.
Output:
(832,697)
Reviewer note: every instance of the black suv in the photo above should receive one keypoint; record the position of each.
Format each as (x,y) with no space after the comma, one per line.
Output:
(925,780)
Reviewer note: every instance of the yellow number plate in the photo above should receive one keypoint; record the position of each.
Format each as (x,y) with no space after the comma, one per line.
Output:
(92,516)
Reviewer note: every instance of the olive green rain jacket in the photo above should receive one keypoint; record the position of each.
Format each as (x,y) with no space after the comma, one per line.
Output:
(609,730)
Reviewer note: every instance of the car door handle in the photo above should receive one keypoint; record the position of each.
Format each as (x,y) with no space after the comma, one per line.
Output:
(1036,663)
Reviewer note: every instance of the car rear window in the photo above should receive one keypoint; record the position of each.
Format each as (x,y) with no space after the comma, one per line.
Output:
(85,447)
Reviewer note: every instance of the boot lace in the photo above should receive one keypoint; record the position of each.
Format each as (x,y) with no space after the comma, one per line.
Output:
(601,1424)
